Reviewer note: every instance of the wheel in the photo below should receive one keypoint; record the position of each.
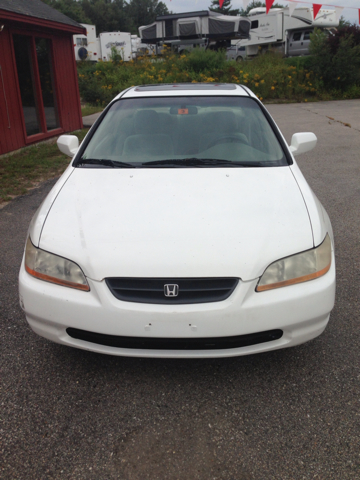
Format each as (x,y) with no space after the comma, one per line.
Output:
(239,58)
(83,53)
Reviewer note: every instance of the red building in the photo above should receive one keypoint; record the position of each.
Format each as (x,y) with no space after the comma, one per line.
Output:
(39,94)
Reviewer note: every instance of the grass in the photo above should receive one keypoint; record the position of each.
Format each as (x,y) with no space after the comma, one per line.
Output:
(90,109)
(24,170)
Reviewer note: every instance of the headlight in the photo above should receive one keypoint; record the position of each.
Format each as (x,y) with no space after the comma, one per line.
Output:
(52,268)
(297,268)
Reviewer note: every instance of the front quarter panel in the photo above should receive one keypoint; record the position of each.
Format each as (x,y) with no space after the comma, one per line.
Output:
(319,219)
(42,212)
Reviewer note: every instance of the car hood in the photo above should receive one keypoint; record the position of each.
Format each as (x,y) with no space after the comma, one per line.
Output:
(191,222)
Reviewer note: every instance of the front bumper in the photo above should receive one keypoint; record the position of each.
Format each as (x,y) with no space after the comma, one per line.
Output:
(301,311)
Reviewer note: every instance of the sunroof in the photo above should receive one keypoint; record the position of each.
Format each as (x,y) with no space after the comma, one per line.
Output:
(185,86)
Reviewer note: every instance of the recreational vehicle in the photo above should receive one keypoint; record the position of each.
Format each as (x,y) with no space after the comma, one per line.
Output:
(289,34)
(93,48)
(186,30)
(85,46)
(140,49)
(121,41)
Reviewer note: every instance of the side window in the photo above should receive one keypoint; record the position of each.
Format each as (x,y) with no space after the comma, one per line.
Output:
(255,24)
(296,36)
(307,35)
(81,42)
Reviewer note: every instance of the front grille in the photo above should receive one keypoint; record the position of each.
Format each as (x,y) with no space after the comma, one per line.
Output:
(146,343)
(190,290)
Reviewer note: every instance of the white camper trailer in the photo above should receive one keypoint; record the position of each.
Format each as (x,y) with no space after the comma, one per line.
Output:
(90,47)
(288,34)
(85,46)
(120,40)
(139,48)
(185,30)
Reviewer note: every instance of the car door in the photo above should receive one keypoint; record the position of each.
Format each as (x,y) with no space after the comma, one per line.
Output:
(295,43)
(306,42)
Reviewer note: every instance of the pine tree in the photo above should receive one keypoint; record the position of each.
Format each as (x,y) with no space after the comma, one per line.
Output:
(225,9)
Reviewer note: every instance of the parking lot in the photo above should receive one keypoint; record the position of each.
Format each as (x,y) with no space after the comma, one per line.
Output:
(288,414)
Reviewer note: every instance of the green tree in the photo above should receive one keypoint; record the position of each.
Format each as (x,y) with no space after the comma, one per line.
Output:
(144,12)
(111,15)
(343,22)
(70,8)
(336,57)
(226,8)
(107,15)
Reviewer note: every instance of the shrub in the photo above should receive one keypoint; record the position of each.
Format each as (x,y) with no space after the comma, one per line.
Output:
(299,62)
(344,32)
(336,58)
(206,60)
(270,76)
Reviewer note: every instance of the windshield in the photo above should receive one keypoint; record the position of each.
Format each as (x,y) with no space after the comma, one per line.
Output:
(183,132)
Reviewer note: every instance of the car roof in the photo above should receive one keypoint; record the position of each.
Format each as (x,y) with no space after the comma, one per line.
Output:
(188,89)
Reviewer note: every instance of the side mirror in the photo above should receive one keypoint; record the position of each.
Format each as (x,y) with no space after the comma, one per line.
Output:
(302,142)
(68,144)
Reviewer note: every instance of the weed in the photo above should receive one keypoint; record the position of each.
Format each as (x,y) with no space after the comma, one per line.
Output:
(270,76)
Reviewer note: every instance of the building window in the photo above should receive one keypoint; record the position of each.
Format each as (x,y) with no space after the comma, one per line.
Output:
(36,82)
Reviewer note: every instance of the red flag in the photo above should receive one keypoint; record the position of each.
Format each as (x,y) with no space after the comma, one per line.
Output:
(221,3)
(268,5)
(316,7)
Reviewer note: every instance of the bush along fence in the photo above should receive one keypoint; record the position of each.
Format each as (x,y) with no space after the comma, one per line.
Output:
(269,76)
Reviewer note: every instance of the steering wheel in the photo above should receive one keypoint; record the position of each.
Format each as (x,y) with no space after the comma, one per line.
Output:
(227,139)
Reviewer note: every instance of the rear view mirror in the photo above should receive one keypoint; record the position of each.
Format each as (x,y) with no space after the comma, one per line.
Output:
(302,142)
(183,110)
(68,144)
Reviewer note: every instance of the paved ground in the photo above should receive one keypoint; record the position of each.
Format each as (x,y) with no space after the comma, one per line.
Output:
(90,119)
(291,414)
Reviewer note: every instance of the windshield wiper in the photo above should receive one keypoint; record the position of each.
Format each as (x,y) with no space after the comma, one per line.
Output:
(199,162)
(105,162)
(168,163)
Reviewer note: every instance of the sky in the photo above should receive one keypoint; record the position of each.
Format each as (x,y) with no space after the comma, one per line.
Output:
(179,6)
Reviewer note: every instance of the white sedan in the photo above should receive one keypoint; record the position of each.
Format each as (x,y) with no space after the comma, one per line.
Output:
(182,227)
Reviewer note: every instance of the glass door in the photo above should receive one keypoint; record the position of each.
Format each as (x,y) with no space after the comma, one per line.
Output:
(43,55)
(28,91)
(36,83)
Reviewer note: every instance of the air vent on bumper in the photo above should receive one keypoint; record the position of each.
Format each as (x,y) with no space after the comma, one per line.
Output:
(148,343)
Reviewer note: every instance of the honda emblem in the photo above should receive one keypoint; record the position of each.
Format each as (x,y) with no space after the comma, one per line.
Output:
(171,290)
